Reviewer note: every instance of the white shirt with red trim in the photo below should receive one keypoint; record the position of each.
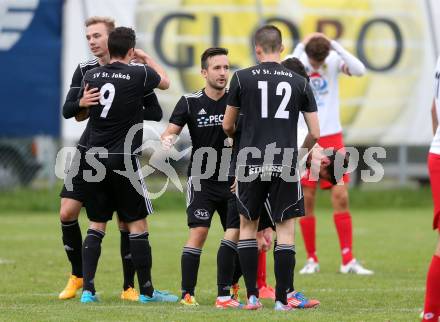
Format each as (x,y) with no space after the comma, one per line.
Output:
(325,85)
(435,144)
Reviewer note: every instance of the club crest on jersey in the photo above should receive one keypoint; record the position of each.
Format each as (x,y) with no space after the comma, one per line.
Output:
(210,120)
(319,83)
(319,86)
(201,214)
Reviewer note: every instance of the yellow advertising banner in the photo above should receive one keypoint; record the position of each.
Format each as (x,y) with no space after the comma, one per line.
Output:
(395,39)
(391,37)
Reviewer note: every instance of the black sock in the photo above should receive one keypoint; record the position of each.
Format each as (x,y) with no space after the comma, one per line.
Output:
(292,276)
(237,270)
(72,241)
(91,251)
(225,266)
(248,253)
(190,267)
(142,261)
(284,262)
(127,263)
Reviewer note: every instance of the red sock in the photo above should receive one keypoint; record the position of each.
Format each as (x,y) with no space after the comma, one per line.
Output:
(432,298)
(345,232)
(308,229)
(261,271)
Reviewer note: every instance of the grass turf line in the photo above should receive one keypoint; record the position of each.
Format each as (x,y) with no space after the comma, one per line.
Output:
(396,243)
(47,200)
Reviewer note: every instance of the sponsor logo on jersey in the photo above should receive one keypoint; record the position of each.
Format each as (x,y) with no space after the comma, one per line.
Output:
(210,120)
(274,170)
(16,16)
(201,214)
(202,112)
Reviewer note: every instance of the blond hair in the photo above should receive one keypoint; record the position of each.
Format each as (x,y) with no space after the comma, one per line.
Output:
(107,21)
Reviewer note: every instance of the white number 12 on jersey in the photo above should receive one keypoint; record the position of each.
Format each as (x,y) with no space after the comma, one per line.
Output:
(281,111)
(106,102)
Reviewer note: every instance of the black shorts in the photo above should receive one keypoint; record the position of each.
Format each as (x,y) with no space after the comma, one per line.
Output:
(284,199)
(266,220)
(213,196)
(76,189)
(116,192)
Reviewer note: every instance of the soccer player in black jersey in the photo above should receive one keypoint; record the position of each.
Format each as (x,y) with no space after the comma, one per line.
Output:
(122,87)
(270,97)
(72,197)
(203,112)
(326,171)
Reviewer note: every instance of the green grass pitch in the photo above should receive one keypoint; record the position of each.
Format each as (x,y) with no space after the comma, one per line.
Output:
(396,242)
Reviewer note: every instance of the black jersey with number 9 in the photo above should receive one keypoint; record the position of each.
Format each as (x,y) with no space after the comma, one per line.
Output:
(122,88)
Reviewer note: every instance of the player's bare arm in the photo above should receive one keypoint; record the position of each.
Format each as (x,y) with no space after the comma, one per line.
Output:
(90,98)
(313,126)
(169,136)
(310,143)
(434,117)
(146,59)
(229,120)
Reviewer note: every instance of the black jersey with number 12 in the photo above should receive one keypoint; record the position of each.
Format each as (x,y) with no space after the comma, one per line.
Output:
(270,98)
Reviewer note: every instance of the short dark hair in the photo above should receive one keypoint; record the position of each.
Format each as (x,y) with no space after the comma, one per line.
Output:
(210,52)
(318,48)
(335,177)
(268,38)
(296,66)
(120,41)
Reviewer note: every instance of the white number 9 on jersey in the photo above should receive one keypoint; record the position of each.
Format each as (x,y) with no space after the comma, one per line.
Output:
(106,102)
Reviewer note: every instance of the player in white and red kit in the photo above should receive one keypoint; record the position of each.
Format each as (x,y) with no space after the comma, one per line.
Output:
(432,296)
(324,60)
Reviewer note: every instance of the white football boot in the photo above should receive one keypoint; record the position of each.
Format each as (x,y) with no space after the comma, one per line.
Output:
(311,267)
(354,267)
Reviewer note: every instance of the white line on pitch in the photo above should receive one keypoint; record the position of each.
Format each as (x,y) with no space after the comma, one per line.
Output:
(6,261)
